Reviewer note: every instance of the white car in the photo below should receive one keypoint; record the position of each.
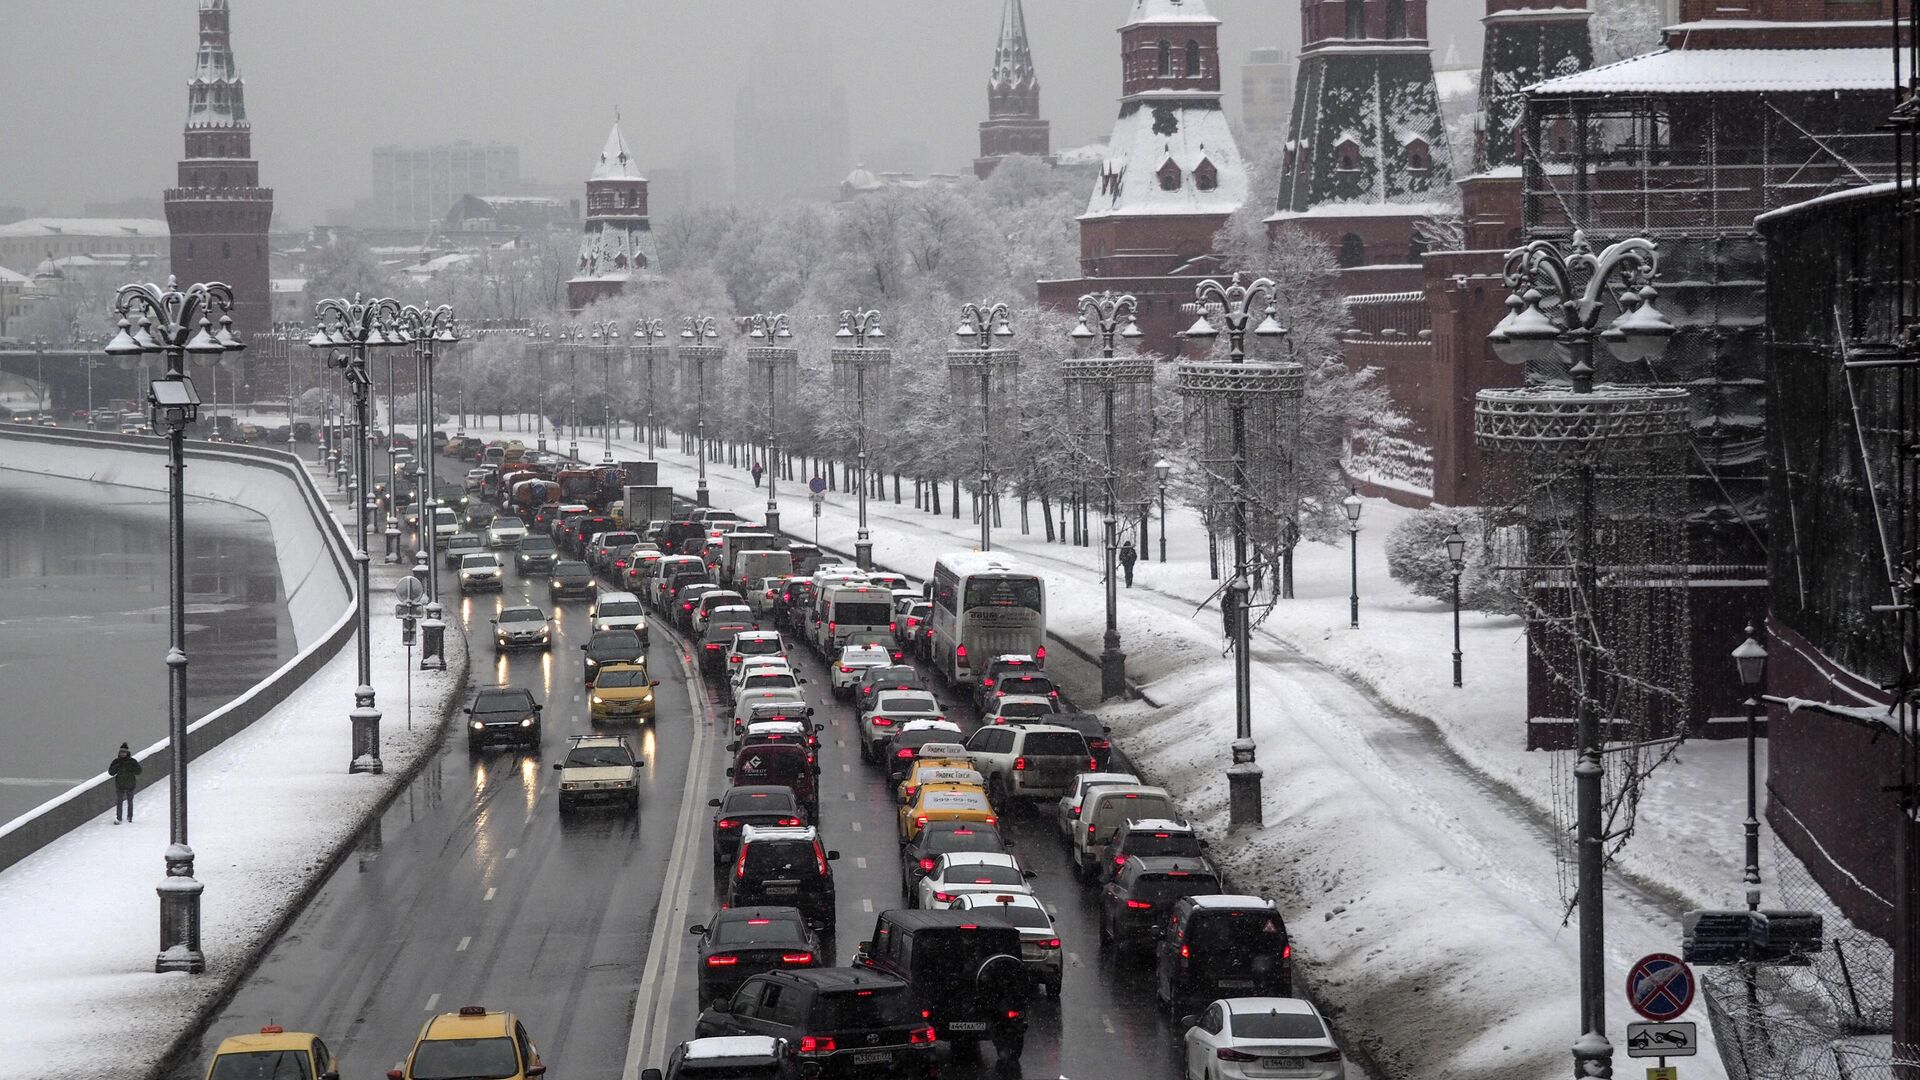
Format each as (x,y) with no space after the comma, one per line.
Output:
(855,659)
(478,572)
(737,673)
(891,709)
(960,872)
(445,522)
(506,532)
(1067,810)
(763,711)
(476,479)
(725,614)
(943,724)
(1243,1038)
(1021,709)
(599,767)
(619,611)
(744,701)
(1039,941)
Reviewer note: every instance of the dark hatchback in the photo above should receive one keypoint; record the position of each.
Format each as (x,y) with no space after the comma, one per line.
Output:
(937,838)
(1223,946)
(612,647)
(570,578)
(784,866)
(503,714)
(902,749)
(1134,904)
(742,942)
(840,1022)
(760,805)
(536,553)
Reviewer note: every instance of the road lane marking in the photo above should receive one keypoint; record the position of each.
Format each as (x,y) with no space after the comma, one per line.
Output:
(512,851)
(849,796)
(860,861)
(487,897)
(856,826)
(1107,1022)
(433,1000)
(866,904)
(844,767)
(464,942)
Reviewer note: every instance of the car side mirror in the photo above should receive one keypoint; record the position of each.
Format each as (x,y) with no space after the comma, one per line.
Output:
(724,1005)
(833,856)
(468,711)
(583,648)
(803,682)
(537,706)
(537,1070)
(697,930)
(1189,1020)
(816,770)
(1203,843)
(734,746)
(652,1074)
(818,728)
(558,765)
(494,621)
(729,772)
(1028,874)
(653,682)
(395,1074)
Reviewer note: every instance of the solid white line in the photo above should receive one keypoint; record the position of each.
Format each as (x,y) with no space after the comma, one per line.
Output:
(512,851)
(487,897)
(432,1000)
(464,942)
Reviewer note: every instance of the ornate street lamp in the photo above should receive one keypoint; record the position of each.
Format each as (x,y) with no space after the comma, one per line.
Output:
(571,337)
(1351,506)
(540,336)
(1750,660)
(346,330)
(772,361)
(428,330)
(177,322)
(972,370)
(1456,546)
(859,367)
(1243,408)
(1161,470)
(1103,377)
(652,333)
(1556,299)
(697,335)
(606,337)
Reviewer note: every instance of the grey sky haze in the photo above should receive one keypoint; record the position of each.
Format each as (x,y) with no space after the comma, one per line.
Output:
(95,89)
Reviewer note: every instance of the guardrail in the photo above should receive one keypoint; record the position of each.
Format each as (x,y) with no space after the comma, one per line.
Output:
(39,827)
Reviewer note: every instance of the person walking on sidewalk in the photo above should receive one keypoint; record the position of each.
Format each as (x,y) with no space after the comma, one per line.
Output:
(756,471)
(1128,557)
(126,774)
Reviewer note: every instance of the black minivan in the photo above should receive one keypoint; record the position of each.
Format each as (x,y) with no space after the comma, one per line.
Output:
(1222,946)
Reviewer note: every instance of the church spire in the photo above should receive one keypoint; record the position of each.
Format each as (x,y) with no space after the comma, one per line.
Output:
(216,95)
(1013,124)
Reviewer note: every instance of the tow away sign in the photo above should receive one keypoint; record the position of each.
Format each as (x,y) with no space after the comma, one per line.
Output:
(1675,1038)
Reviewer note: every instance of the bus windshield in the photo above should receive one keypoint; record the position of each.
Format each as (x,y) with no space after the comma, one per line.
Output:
(1020,592)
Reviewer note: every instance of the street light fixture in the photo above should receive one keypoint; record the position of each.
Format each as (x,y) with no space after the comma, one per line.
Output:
(1456,546)
(347,330)
(571,337)
(183,320)
(853,356)
(1750,660)
(653,335)
(1351,506)
(697,335)
(771,355)
(1161,470)
(1112,315)
(606,337)
(540,336)
(980,324)
(428,330)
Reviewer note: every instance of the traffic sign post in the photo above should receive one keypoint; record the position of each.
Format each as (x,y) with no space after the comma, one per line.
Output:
(1676,1038)
(1660,987)
(817,485)
(817,498)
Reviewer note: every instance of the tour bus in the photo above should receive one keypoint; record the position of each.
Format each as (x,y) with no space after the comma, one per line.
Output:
(847,607)
(984,606)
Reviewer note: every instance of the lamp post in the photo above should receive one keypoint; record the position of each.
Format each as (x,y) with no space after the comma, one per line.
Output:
(1161,470)
(853,356)
(428,329)
(1351,506)
(770,354)
(571,336)
(541,335)
(981,324)
(1582,423)
(390,498)
(183,319)
(606,337)
(1456,546)
(1750,660)
(697,335)
(1113,314)
(346,330)
(1238,387)
(652,333)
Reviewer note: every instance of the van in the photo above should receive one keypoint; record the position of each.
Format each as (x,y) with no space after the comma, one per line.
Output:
(750,566)
(847,608)
(664,573)
(732,544)
(1105,809)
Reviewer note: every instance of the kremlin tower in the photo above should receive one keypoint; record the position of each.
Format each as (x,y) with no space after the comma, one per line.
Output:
(1013,124)
(618,239)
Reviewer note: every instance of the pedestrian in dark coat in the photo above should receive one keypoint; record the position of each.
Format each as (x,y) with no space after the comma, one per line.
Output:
(125,771)
(757,470)
(1128,557)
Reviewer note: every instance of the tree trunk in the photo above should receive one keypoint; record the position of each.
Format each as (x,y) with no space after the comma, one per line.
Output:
(933,494)
(1046,515)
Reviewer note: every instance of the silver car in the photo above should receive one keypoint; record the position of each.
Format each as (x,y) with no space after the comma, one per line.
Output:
(522,628)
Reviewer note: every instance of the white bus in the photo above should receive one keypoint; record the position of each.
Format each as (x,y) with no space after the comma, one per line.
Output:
(984,606)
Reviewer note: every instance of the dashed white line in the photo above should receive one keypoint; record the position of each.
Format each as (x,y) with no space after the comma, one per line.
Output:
(432,1001)
(856,826)
(849,796)
(844,767)
(512,851)
(860,861)
(866,904)
(487,897)
(464,942)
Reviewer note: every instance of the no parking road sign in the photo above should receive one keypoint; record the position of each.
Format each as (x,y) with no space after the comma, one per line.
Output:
(1660,987)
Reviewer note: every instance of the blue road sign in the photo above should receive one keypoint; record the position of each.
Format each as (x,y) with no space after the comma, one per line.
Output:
(1660,987)
(817,485)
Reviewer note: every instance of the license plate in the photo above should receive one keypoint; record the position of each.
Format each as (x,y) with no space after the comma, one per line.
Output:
(1236,984)
(782,890)
(1288,1064)
(968,1026)
(872,1057)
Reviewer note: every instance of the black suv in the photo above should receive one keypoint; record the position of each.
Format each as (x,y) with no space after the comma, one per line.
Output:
(937,838)
(1134,903)
(536,553)
(717,637)
(966,974)
(760,805)
(612,647)
(1149,837)
(1223,946)
(570,577)
(784,866)
(743,942)
(888,677)
(503,714)
(844,1021)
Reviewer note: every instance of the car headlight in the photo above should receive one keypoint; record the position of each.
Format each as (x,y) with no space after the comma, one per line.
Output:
(569,785)
(478,726)
(598,700)
(528,722)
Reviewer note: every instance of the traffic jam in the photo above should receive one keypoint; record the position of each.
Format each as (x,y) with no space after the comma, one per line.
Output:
(933,705)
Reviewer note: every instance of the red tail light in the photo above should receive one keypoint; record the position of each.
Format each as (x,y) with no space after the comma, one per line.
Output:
(796,958)
(898,655)
(1326,1056)
(830,626)
(722,961)
(1185,953)
(904,754)
(713,646)
(945,898)
(1040,654)
(730,659)
(1090,830)
(1138,905)
(820,858)
(1092,765)
(845,669)
(920,822)
(960,653)
(909,792)
(926,865)
(1119,861)
(790,821)
(740,865)
(881,721)
(817,1044)
(921,1035)
(893,627)
(1286,952)
(1050,943)
(1226,1053)
(1013,1014)
(726,823)
(1019,764)
(986,684)
(1076,811)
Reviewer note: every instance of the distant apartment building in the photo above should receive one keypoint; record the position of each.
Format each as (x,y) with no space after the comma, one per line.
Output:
(24,245)
(416,185)
(1266,94)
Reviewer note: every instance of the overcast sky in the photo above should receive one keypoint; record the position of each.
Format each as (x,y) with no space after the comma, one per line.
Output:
(94,90)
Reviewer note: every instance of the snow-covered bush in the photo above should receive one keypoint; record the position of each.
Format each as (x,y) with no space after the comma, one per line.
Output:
(1417,558)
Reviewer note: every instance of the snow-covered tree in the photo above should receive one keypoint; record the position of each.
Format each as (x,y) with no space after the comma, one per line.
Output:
(1623,28)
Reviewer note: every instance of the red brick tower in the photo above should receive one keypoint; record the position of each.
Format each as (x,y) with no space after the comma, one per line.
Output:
(1013,124)
(618,241)
(219,214)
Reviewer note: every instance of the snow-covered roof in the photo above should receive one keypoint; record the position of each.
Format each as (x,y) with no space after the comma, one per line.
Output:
(11,278)
(1129,181)
(1090,154)
(1228,900)
(1707,71)
(616,161)
(1188,12)
(1368,209)
(48,226)
(861,180)
(1775,24)
(1865,191)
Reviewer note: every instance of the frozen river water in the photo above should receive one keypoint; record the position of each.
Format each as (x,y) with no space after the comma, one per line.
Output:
(83,628)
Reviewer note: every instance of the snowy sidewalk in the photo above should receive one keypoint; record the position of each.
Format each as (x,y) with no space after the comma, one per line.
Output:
(270,809)
(1421,885)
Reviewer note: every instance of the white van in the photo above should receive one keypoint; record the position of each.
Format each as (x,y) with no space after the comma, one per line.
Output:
(750,565)
(848,607)
(1105,809)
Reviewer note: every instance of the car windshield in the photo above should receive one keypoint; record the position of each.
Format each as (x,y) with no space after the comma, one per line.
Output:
(621,608)
(1030,918)
(1055,743)
(463,541)
(615,539)
(508,523)
(525,614)
(589,757)
(984,874)
(890,1007)
(763,680)
(465,1059)
(500,701)
(1238,931)
(261,1065)
(747,931)
(572,570)
(906,703)
(632,677)
(1025,708)
(1170,887)
(757,646)
(1277,1025)
(537,543)
(778,858)
(966,838)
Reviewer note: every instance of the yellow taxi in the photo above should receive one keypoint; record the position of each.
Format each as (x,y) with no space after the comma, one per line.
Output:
(621,692)
(475,1041)
(936,772)
(944,802)
(273,1054)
